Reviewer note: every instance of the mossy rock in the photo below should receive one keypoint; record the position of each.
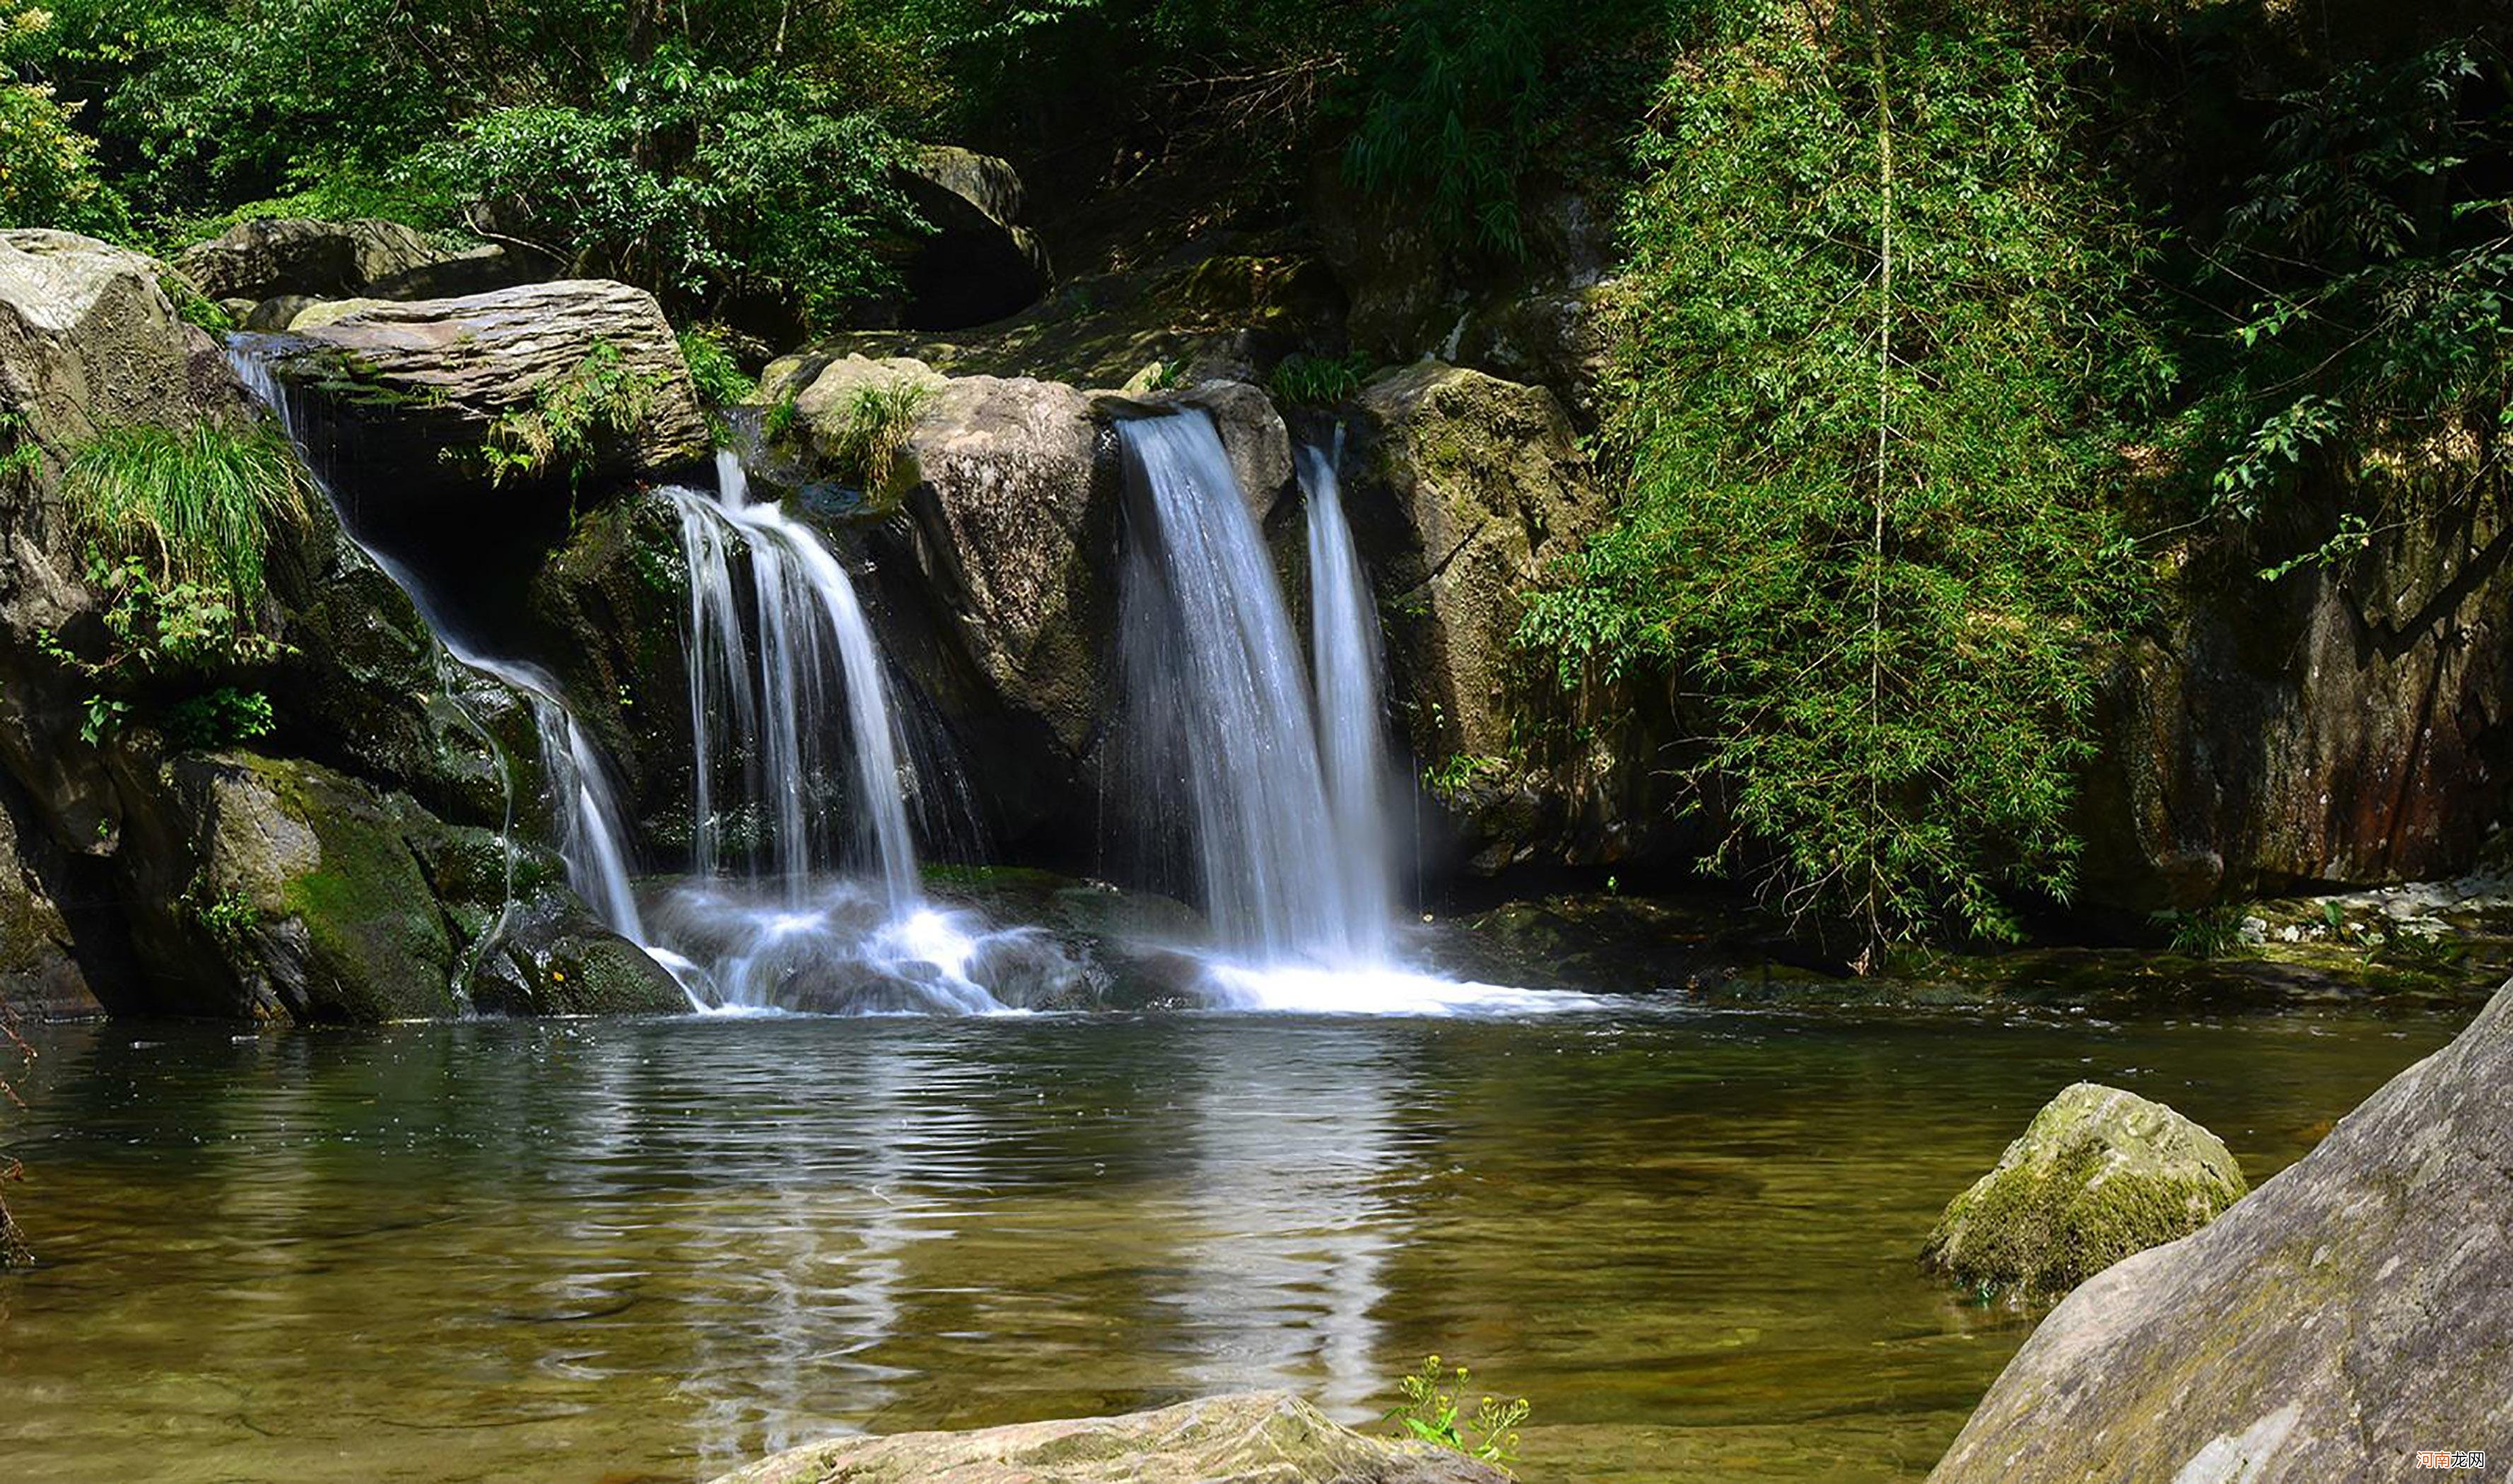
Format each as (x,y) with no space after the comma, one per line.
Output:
(309,889)
(2099,1175)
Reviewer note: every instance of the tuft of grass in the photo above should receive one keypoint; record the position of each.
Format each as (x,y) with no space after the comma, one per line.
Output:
(878,424)
(1302,380)
(195,507)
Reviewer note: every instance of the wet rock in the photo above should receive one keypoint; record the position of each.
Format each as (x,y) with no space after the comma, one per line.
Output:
(2347,725)
(40,975)
(2346,1315)
(407,393)
(261,259)
(1266,1438)
(2099,1174)
(270,886)
(88,340)
(1462,489)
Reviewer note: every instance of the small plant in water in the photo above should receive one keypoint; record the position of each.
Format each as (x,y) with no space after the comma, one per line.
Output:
(1432,1411)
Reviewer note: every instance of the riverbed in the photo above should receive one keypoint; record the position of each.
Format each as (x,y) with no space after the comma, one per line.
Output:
(638,1251)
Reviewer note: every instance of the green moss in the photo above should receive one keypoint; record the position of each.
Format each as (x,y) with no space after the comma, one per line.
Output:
(378,941)
(2091,1183)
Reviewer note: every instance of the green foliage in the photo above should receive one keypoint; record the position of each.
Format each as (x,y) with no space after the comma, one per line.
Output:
(572,416)
(1432,1412)
(175,528)
(879,420)
(720,379)
(191,305)
(1301,380)
(2368,272)
(227,917)
(1456,778)
(704,182)
(186,508)
(220,716)
(2206,933)
(1868,528)
(48,169)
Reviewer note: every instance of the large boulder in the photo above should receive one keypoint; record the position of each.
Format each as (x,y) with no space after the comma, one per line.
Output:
(2350,1313)
(996,532)
(88,340)
(407,399)
(285,889)
(293,257)
(2099,1175)
(977,264)
(41,977)
(1463,491)
(1265,1437)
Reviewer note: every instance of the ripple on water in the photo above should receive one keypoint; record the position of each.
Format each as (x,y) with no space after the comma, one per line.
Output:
(600,1250)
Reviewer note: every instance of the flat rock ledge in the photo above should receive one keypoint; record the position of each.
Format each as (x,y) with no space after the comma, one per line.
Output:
(2349,1315)
(1261,1437)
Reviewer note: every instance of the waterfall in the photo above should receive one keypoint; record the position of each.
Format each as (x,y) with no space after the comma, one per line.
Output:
(593,834)
(1344,655)
(769,707)
(1217,688)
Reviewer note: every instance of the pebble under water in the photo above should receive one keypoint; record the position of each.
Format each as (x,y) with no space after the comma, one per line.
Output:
(616,1251)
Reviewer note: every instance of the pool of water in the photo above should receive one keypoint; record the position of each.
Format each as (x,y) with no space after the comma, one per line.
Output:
(609,1251)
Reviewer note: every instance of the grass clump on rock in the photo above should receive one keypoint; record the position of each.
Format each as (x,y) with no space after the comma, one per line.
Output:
(2099,1175)
(192,506)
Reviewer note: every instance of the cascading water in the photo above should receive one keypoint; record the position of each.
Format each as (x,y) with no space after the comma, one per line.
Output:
(771,713)
(592,830)
(1344,655)
(1284,797)
(1217,691)
(794,730)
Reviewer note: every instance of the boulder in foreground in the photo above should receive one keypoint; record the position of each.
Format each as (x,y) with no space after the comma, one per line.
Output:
(2353,1313)
(1263,1437)
(2099,1174)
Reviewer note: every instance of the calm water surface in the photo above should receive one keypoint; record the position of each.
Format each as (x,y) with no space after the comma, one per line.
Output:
(606,1252)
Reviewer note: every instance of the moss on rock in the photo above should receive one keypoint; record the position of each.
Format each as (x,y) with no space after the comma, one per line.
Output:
(2099,1175)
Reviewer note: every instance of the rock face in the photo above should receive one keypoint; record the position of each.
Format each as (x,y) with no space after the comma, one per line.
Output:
(306,878)
(1463,490)
(2099,1175)
(1266,1438)
(2348,1314)
(2342,726)
(293,256)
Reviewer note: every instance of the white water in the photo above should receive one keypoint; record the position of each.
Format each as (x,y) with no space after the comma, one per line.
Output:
(1344,656)
(1217,691)
(769,707)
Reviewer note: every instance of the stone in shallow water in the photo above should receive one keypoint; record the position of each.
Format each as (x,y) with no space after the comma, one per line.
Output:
(1263,1437)
(2099,1175)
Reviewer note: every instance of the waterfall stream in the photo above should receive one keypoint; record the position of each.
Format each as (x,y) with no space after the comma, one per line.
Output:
(766,709)
(1344,653)
(802,890)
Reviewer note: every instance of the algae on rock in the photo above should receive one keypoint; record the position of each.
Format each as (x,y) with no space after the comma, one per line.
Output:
(2101,1174)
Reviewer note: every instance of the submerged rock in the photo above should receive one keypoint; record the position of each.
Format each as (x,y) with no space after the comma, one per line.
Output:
(2099,1175)
(1264,1437)
(2348,1314)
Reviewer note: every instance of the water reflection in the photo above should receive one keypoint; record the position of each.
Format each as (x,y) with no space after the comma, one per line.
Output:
(644,1251)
